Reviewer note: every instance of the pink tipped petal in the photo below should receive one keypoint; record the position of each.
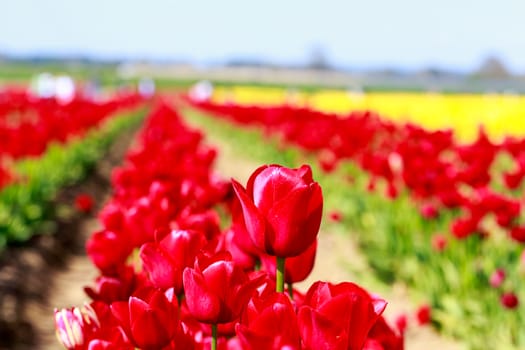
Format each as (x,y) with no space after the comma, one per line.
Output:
(379,306)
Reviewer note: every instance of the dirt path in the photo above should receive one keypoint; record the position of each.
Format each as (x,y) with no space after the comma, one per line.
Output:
(336,253)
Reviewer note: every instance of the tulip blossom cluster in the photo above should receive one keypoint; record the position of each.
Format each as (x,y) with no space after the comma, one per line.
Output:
(44,120)
(438,172)
(173,277)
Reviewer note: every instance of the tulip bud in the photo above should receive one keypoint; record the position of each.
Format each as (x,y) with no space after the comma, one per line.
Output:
(439,242)
(401,323)
(282,209)
(429,211)
(509,300)
(336,216)
(84,202)
(423,315)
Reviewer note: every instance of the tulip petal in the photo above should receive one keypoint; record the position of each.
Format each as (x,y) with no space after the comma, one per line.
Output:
(203,305)
(287,236)
(252,340)
(254,221)
(158,266)
(218,275)
(273,184)
(120,311)
(147,329)
(318,333)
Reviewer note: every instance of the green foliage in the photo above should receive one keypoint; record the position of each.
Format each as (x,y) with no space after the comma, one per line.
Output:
(27,206)
(397,242)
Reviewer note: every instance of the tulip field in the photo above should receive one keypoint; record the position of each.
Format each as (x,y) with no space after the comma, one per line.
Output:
(428,186)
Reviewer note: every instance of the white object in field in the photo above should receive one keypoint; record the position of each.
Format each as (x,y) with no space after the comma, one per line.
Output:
(202,91)
(146,87)
(45,85)
(64,88)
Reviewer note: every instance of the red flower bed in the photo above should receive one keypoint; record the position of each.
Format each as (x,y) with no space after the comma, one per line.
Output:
(29,123)
(438,172)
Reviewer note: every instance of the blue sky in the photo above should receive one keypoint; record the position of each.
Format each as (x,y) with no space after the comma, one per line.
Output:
(369,33)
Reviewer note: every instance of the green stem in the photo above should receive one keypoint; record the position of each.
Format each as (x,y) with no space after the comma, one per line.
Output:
(290,290)
(213,337)
(279,275)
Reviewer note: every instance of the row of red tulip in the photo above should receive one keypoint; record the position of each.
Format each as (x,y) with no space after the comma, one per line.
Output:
(172,278)
(26,117)
(438,172)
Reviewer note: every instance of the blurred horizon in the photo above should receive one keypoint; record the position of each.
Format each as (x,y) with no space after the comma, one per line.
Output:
(406,35)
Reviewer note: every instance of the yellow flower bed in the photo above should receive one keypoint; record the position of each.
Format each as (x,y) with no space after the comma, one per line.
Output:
(500,114)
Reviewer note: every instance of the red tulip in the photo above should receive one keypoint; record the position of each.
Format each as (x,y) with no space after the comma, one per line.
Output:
(429,211)
(509,300)
(401,323)
(269,324)
(110,335)
(117,287)
(464,227)
(84,202)
(282,209)
(517,233)
(337,316)
(164,261)
(216,290)
(112,217)
(439,242)
(381,334)
(207,222)
(336,216)
(108,250)
(150,321)
(241,257)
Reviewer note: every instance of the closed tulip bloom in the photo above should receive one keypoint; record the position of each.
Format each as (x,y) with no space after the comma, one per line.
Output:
(423,314)
(165,260)
(509,300)
(216,289)
(117,287)
(269,324)
(151,320)
(84,203)
(282,209)
(108,250)
(337,316)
